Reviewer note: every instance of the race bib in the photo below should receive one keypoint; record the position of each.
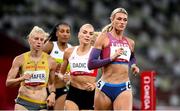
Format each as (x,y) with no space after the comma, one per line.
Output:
(100,84)
(125,55)
(37,76)
(128,85)
(80,65)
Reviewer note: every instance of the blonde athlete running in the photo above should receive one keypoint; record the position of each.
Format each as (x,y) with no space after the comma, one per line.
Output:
(82,82)
(35,69)
(115,50)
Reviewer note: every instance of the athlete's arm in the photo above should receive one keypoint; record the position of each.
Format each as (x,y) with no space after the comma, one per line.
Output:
(52,68)
(132,62)
(65,62)
(133,65)
(94,61)
(132,59)
(13,72)
(64,65)
(51,84)
(48,46)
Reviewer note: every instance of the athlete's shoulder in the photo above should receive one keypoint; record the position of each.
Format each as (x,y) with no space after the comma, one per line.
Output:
(20,58)
(103,35)
(52,62)
(23,55)
(70,49)
(68,52)
(46,54)
(102,38)
(48,47)
(69,45)
(131,41)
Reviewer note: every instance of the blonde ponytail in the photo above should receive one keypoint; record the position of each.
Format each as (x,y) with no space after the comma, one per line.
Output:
(107,28)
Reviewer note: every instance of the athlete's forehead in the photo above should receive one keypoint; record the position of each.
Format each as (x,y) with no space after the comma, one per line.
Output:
(120,14)
(63,26)
(119,10)
(87,27)
(38,35)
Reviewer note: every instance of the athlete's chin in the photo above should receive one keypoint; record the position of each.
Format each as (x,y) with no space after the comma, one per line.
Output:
(65,41)
(38,48)
(120,29)
(86,43)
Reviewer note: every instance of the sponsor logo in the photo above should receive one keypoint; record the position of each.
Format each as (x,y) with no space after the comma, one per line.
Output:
(146,92)
(56,52)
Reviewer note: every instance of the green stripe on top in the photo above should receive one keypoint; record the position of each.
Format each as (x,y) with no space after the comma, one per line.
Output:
(61,61)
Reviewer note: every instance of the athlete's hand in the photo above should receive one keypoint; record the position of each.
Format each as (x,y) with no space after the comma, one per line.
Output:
(117,53)
(51,99)
(66,77)
(58,67)
(90,86)
(59,75)
(26,76)
(135,69)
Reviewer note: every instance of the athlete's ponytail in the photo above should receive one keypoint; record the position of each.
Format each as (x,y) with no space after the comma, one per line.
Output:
(107,28)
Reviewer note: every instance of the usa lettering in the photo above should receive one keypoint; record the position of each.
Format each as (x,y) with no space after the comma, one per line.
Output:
(119,45)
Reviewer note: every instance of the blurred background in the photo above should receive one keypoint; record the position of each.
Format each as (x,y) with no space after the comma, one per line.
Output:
(153,24)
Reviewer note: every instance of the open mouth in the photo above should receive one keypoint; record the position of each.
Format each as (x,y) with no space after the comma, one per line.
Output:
(87,40)
(38,46)
(121,26)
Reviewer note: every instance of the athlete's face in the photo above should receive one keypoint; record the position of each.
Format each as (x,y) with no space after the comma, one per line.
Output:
(119,21)
(37,40)
(86,34)
(63,33)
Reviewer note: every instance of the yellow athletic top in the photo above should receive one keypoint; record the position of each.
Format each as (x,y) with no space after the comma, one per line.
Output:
(39,70)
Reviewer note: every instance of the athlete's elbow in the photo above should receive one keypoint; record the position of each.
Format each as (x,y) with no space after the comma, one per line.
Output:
(90,65)
(8,84)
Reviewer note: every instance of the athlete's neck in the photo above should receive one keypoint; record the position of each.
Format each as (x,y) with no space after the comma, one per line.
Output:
(62,45)
(83,49)
(118,34)
(35,53)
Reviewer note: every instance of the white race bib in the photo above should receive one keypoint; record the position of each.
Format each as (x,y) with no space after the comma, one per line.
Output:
(100,84)
(37,76)
(125,55)
(80,65)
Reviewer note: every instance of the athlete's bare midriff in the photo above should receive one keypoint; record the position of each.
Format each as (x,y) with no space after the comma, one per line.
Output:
(115,73)
(59,83)
(80,82)
(35,93)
